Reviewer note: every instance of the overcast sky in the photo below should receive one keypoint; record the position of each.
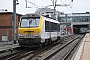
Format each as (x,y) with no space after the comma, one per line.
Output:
(76,5)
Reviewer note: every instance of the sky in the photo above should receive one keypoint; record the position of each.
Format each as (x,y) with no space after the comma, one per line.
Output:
(80,6)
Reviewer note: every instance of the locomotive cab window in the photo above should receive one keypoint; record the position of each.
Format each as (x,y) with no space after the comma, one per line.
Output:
(29,22)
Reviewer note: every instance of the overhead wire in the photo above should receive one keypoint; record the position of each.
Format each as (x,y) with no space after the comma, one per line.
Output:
(52,1)
(75,7)
(35,5)
(66,6)
(46,3)
(72,5)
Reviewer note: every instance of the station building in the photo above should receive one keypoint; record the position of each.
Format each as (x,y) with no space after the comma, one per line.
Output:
(7,25)
(75,21)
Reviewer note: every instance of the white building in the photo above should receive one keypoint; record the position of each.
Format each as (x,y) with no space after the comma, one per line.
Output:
(47,12)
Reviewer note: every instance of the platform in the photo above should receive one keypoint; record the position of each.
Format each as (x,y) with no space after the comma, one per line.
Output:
(83,52)
(8,46)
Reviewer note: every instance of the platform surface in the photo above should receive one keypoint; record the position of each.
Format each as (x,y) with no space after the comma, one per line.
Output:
(6,46)
(83,52)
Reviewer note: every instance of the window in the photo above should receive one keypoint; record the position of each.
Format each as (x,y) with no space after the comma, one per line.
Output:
(51,26)
(30,22)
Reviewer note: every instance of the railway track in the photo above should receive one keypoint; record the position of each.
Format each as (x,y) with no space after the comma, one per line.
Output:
(11,53)
(48,52)
(70,48)
(24,55)
(61,50)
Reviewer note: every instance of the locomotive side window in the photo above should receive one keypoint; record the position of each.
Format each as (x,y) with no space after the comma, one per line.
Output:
(50,26)
(47,25)
(53,26)
(58,27)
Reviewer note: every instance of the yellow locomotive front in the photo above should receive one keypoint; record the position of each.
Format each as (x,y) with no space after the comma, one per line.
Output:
(29,29)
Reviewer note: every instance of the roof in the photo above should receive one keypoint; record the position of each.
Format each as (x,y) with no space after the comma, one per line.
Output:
(42,10)
(80,13)
(9,13)
(31,15)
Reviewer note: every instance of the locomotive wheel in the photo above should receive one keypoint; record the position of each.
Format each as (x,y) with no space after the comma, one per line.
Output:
(49,41)
(40,45)
(46,42)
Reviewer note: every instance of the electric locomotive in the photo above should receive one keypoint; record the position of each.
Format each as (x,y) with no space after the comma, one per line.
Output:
(35,29)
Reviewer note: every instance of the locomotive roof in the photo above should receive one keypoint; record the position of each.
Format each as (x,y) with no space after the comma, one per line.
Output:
(31,15)
(34,15)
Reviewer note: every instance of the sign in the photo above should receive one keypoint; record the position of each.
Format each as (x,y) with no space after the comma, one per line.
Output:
(4,38)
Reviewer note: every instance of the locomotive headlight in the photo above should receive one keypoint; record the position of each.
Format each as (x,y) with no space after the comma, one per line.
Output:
(36,35)
(21,34)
